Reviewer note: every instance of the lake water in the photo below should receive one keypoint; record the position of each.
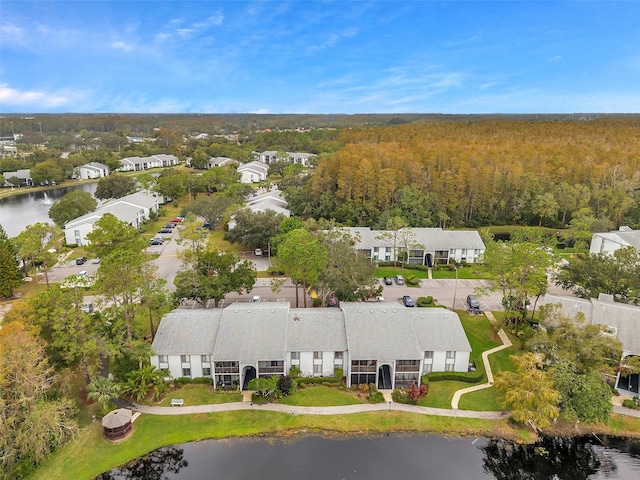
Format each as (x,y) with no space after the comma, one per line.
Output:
(18,211)
(314,457)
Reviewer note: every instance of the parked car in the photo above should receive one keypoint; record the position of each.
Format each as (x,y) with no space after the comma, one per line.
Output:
(399,279)
(258,252)
(87,307)
(474,304)
(156,241)
(83,273)
(81,260)
(206,225)
(177,220)
(388,281)
(170,225)
(166,230)
(408,301)
(96,261)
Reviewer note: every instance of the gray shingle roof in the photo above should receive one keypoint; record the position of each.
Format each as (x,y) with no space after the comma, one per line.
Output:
(431,238)
(389,332)
(250,332)
(316,330)
(185,331)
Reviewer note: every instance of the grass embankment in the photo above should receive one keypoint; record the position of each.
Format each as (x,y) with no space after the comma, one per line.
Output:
(199,395)
(475,272)
(320,396)
(89,454)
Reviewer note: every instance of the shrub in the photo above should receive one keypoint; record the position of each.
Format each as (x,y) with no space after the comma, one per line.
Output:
(202,380)
(412,280)
(425,301)
(317,302)
(286,385)
(467,377)
(376,397)
(338,374)
(630,404)
(294,371)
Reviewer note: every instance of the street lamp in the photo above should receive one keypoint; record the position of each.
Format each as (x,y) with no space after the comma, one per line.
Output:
(455,288)
(389,407)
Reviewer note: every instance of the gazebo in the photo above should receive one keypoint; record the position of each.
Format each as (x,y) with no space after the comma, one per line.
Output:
(117,424)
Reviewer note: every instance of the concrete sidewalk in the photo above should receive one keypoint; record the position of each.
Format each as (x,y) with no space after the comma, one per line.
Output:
(506,343)
(338,410)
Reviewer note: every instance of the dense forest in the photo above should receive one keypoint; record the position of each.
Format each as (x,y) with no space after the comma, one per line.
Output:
(478,173)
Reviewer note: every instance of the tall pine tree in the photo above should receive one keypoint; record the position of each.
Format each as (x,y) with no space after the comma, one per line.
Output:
(10,275)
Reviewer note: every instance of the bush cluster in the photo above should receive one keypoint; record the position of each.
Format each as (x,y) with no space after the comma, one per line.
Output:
(425,301)
(467,377)
(410,395)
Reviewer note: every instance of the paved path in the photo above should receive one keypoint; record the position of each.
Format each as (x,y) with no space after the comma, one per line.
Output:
(339,410)
(506,343)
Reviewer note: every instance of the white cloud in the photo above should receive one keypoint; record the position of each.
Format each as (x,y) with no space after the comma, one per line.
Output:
(118,45)
(12,34)
(32,99)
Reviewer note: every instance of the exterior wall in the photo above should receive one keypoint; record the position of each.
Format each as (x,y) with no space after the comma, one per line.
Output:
(306,364)
(83,229)
(604,245)
(251,177)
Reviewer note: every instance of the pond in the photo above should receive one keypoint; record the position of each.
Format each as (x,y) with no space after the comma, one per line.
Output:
(314,457)
(18,211)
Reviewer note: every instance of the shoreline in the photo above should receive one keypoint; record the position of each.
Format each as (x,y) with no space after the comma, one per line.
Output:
(7,192)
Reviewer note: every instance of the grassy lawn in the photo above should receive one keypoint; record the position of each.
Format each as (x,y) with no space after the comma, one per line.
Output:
(484,399)
(89,454)
(475,272)
(199,395)
(441,393)
(320,396)
(216,240)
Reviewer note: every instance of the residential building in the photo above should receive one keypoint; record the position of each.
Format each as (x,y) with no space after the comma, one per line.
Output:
(134,209)
(609,242)
(271,156)
(253,172)
(425,246)
(92,170)
(23,176)
(271,200)
(620,320)
(221,162)
(371,342)
(145,163)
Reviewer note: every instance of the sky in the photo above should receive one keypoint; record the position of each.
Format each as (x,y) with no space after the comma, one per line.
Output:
(455,57)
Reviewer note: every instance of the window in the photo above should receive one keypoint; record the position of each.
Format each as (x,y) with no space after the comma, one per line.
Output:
(317,355)
(185,358)
(206,372)
(317,369)
(186,372)
(451,354)
(295,355)
(428,354)
(163,358)
(448,367)
(428,368)
(337,355)
(205,358)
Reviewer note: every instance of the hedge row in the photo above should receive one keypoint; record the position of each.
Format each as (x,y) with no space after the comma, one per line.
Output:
(467,377)
(329,381)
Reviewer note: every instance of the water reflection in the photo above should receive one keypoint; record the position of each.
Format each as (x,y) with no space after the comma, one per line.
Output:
(152,466)
(389,456)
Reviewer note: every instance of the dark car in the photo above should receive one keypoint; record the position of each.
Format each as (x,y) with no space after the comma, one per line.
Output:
(170,225)
(474,304)
(408,301)
(388,281)
(156,241)
(166,230)
(81,260)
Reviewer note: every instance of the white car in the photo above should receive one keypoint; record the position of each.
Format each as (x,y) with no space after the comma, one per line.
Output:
(258,252)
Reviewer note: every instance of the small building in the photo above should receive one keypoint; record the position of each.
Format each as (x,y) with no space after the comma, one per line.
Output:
(23,177)
(220,162)
(92,170)
(271,200)
(117,424)
(609,242)
(271,156)
(253,172)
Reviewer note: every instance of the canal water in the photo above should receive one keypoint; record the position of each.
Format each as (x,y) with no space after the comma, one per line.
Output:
(395,457)
(18,211)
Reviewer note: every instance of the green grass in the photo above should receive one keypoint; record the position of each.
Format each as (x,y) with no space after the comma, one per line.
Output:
(441,393)
(199,394)
(319,396)
(89,454)
(475,272)
(484,399)
(216,240)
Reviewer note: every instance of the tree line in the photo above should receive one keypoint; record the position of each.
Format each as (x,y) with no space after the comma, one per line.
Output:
(474,174)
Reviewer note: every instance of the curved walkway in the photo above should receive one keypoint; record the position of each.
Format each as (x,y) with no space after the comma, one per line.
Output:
(338,410)
(506,343)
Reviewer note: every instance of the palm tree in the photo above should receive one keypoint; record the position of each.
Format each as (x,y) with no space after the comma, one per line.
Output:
(103,390)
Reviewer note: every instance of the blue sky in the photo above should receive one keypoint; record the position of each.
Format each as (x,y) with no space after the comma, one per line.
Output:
(319,56)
